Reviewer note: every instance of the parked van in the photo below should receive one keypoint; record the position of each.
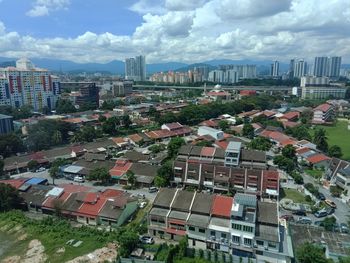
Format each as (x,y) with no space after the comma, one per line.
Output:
(321,213)
(153,189)
(79,179)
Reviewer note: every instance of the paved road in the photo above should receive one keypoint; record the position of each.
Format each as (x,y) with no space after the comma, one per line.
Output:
(45,174)
(342,212)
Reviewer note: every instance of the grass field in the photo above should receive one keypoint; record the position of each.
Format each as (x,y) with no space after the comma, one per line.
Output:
(317,174)
(294,195)
(339,135)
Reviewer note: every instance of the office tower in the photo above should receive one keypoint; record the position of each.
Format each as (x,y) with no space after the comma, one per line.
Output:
(6,124)
(203,71)
(275,66)
(27,85)
(300,69)
(334,67)
(89,94)
(243,71)
(122,88)
(321,66)
(291,68)
(135,68)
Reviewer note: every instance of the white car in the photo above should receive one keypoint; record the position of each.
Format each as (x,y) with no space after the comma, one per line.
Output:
(41,169)
(146,240)
(79,179)
(142,204)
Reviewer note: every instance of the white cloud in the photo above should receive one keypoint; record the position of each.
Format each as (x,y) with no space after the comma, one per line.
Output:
(194,31)
(44,7)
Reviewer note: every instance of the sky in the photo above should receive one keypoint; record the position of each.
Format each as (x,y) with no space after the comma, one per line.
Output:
(186,31)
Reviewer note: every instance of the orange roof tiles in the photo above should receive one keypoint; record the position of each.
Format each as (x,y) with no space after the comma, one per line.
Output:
(208,151)
(317,158)
(291,115)
(323,107)
(222,206)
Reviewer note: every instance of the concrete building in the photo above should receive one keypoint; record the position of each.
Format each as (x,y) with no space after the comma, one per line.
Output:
(6,124)
(323,113)
(135,68)
(300,68)
(243,71)
(334,67)
(122,88)
(275,67)
(240,226)
(320,88)
(232,153)
(216,134)
(321,67)
(27,85)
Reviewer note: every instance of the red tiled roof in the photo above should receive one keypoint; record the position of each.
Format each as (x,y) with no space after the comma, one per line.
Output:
(91,197)
(16,183)
(302,150)
(173,125)
(288,141)
(209,123)
(109,193)
(92,208)
(74,120)
(290,124)
(247,92)
(208,151)
(120,168)
(222,206)
(218,93)
(291,115)
(323,107)
(317,158)
(222,144)
(268,113)
(118,140)
(135,137)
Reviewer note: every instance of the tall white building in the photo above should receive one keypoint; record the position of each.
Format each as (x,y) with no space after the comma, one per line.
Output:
(27,85)
(321,66)
(243,71)
(275,67)
(334,67)
(300,68)
(135,68)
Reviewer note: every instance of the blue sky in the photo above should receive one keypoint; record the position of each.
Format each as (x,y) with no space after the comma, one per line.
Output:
(78,17)
(174,30)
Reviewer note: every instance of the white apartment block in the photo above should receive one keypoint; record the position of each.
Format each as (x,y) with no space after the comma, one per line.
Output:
(27,85)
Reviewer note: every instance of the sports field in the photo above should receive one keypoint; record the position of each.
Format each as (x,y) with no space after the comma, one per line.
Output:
(339,135)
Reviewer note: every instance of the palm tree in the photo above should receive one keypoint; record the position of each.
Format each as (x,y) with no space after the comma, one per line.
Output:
(54,173)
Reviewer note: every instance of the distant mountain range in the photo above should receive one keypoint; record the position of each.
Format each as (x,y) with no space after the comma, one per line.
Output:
(117,66)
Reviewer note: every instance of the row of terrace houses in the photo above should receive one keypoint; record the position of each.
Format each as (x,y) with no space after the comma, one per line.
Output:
(241,226)
(221,170)
(83,204)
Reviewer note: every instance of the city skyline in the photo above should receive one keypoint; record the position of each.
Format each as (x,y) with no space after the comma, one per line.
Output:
(171,30)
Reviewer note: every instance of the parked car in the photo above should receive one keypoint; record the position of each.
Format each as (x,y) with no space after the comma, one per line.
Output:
(318,223)
(79,179)
(321,196)
(289,218)
(304,220)
(330,210)
(142,204)
(146,240)
(41,169)
(321,213)
(153,189)
(299,213)
(344,228)
(330,203)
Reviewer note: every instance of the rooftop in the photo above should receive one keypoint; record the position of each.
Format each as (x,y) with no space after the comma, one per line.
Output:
(183,200)
(222,206)
(267,213)
(164,197)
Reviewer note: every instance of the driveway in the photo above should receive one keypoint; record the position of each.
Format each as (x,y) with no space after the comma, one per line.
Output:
(45,174)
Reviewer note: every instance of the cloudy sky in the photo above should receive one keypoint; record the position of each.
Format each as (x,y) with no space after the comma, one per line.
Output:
(174,30)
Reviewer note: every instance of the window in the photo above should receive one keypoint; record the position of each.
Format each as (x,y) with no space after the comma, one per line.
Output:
(247,242)
(260,243)
(212,233)
(236,226)
(248,229)
(201,230)
(223,235)
(191,228)
(236,240)
(272,245)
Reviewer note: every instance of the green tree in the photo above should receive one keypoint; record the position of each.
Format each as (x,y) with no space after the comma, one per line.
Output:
(306,116)
(335,151)
(64,106)
(57,138)
(204,143)
(2,164)
(126,121)
(260,143)
(310,253)
(224,125)
(130,175)
(164,174)
(10,144)
(156,148)
(320,139)
(289,152)
(33,165)
(174,146)
(99,174)
(328,223)
(127,240)
(53,172)
(248,131)
(9,198)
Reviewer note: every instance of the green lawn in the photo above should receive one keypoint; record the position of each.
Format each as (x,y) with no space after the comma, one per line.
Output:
(339,135)
(293,194)
(317,174)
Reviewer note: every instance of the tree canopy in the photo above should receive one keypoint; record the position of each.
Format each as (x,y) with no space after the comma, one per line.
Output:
(320,139)
(309,253)
(260,143)
(335,151)
(10,144)
(9,198)
(174,146)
